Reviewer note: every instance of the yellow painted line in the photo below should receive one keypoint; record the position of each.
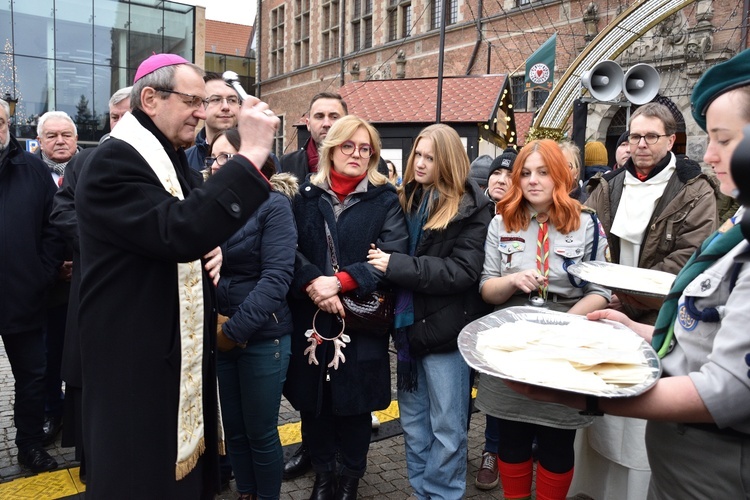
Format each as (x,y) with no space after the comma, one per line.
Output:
(292,433)
(45,486)
(63,483)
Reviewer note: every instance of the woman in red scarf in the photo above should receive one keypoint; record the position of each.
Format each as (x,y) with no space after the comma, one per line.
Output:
(335,383)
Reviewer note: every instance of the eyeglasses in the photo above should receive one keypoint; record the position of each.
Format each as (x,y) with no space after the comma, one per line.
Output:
(216,100)
(220,160)
(650,139)
(194,102)
(348,148)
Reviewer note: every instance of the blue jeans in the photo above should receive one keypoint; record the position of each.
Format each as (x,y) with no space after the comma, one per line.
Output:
(434,421)
(250,383)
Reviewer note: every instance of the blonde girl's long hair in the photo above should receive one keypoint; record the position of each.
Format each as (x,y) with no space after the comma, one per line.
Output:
(341,131)
(564,213)
(451,165)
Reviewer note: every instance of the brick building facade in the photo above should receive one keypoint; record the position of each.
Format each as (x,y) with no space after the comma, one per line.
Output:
(309,46)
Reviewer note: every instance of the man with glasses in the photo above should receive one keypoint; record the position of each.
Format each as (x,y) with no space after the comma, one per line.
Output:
(147,229)
(657,209)
(221,114)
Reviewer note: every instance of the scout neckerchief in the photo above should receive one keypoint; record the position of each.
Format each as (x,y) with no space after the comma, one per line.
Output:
(190,424)
(542,252)
(715,247)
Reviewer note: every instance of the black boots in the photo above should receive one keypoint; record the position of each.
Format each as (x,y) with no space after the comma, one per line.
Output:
(324,487)
(347,489)
(298,464)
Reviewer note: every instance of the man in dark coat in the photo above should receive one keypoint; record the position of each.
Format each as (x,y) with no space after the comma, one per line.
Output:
(58,145)
(147,319)
(31,252)
(325,108)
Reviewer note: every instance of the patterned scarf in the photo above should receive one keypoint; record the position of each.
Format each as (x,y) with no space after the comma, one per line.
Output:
(54,167)
(715,247)
(406,365)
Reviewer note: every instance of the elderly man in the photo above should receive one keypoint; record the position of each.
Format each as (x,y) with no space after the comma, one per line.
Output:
(30,255)
(58,143)
(147,320)
(325,108)
(221,114)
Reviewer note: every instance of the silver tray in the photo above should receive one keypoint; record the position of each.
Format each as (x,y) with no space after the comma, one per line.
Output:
(617,277)
(467,345)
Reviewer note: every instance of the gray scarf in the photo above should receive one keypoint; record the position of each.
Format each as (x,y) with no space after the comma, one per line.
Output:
(57,168)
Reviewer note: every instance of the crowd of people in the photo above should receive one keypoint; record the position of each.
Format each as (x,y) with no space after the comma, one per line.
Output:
(180,282)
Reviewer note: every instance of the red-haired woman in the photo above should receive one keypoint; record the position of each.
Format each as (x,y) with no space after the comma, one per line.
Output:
(539,231)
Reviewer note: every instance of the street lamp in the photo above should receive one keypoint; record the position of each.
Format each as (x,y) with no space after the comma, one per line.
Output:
(11,103)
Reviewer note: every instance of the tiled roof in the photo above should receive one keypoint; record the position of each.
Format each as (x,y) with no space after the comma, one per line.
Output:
(464,99)
(227,38)
(523,124)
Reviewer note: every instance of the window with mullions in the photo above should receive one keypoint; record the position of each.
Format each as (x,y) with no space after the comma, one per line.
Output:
(451,13)
(276,56)
(362,25)
(301,33)
(399,19)
(521,97)
(330,33)
(520,3)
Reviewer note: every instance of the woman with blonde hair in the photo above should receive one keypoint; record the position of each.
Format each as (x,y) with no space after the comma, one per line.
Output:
(539,231)
(336,381)
(447,217)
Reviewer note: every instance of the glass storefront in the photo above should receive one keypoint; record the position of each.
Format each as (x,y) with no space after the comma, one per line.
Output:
(72,55)
(243,66)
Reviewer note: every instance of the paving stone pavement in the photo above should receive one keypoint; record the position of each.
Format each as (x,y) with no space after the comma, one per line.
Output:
(386,464)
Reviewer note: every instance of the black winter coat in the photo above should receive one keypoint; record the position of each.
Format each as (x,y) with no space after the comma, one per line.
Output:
(256,272)
(31,249)
(132,233)
(362,383)
(444,276)
(64,218)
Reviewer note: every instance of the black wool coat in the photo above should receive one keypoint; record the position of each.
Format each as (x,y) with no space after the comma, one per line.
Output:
(362,383)
(132,234)
(31,249)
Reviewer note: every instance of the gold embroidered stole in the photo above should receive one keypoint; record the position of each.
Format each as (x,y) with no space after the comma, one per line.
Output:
(190,423)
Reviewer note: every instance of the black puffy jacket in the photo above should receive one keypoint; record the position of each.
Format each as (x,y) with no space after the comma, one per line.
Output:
(444,276)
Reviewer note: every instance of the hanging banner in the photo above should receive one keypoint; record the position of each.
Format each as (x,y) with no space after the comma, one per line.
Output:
(540,67)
